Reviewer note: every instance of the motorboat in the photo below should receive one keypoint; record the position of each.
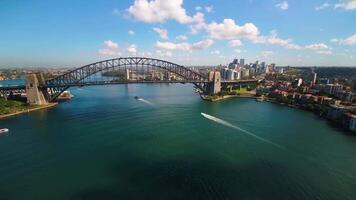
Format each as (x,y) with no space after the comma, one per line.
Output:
(4,130)
(137,98)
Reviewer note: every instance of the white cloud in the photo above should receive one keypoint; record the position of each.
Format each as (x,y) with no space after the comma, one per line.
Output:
(283,5)
(198,8)
(159,11)
(164,53)
(273,39)
(201,45)
(216,52)
(238,51)
(110,44)
(182,37)
(173,46)
(346,4)
(131,32)
(132,49)
(265,54)
(235,43)
(199,23)
(109,52)
(334,40)
(209,9)
(319,46)
(325,52)
(349,41)
(322,6)
(163,33)
(229,30)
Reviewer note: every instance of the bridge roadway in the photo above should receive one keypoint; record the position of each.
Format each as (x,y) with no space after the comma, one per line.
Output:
(23,87)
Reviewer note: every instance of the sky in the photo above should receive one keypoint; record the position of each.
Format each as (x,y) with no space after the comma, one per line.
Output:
(68,33)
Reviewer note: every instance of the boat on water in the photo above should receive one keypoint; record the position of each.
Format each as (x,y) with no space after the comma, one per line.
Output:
(66,95)
(136,97)
(259,99)
(4,130)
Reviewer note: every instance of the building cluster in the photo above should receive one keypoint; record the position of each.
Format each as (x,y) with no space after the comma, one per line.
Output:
(333,101)
(238,70)
(345,115)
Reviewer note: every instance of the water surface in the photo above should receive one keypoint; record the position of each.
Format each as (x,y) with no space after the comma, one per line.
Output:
(104,144)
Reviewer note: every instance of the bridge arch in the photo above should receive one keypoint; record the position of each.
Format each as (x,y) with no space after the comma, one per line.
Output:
(77,76)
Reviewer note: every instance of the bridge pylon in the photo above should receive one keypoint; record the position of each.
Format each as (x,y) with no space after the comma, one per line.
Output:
(214,87)
(34,95)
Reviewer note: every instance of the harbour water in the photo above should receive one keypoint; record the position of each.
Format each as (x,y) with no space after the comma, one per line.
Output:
(105,144)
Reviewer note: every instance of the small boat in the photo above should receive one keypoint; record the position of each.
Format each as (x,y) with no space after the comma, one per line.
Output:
(136,97)
(4,130)
(259,99)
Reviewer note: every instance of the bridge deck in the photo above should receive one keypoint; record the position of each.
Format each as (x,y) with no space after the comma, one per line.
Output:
(22,87)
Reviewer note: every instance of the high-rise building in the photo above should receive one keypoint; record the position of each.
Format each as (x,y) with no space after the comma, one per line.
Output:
(300,82)
(263,64)
(315,77)
(245,73)
(354,85)
(223,73)
(238,75)
(230,75)
(242,62)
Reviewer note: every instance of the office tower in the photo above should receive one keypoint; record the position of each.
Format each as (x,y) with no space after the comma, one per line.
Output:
(242,62)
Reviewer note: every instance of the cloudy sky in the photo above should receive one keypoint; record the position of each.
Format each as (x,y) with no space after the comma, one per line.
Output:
(188,32)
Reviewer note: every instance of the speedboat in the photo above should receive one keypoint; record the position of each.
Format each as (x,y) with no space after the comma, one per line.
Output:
(4,130)
(136,97)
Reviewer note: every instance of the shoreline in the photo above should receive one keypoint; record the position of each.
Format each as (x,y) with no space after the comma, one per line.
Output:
(220,98)
(50,105)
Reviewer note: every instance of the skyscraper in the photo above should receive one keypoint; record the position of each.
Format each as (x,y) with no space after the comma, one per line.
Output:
(242,62)
(315,77)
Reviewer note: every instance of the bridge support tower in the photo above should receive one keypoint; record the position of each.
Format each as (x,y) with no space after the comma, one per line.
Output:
(214,87)
(34,95)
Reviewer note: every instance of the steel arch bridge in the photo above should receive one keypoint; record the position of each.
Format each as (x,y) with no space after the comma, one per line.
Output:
(139,67)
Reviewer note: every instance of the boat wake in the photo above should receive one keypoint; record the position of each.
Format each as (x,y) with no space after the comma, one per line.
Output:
(225,123)
(145,101)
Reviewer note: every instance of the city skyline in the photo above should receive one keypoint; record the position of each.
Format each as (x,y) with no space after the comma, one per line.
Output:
(67,34)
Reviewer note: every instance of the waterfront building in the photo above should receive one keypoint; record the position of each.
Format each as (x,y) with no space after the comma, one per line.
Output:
(352,125)
(332,89)
(336,112)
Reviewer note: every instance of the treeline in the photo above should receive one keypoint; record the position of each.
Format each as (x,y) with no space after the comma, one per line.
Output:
(336,72)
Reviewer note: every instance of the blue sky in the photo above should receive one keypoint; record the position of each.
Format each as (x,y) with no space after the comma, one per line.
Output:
(74,33)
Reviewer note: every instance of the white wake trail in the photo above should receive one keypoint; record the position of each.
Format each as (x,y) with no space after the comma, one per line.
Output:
(145,101)
(225,123)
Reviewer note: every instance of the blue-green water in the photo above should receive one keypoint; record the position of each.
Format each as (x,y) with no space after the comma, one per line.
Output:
(104,144)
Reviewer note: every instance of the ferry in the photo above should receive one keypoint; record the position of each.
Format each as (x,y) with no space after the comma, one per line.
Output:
(4,130)
(66,95)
